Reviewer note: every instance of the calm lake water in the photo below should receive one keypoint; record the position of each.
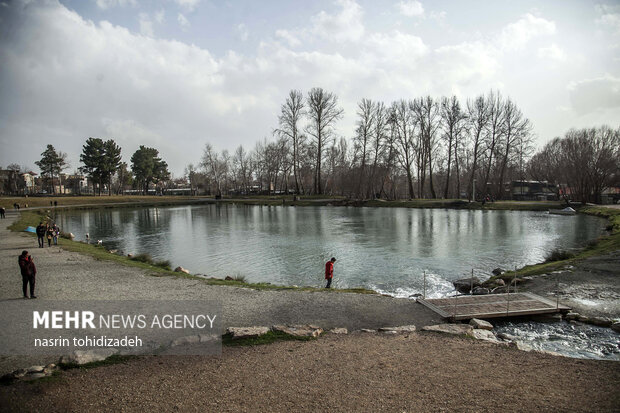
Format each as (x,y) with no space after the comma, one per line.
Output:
(385,249)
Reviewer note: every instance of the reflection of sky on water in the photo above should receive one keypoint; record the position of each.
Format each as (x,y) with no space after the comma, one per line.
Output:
(383,248)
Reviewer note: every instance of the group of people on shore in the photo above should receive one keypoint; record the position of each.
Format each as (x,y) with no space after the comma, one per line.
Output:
(51,232)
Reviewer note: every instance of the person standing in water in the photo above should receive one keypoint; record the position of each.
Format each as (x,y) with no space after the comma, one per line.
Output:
(329,272)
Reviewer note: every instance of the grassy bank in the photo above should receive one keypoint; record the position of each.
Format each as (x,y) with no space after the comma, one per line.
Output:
(603,245)
(32,218)
(116,201)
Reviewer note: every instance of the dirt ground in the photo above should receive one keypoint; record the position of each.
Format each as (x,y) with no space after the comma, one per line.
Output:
(591,287)
(359,372)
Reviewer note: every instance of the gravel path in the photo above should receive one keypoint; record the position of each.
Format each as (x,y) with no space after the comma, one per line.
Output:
(64,275)
(357,373)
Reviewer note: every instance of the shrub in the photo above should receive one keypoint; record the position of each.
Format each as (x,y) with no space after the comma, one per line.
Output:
(146,258)
(559,255)
(165,264)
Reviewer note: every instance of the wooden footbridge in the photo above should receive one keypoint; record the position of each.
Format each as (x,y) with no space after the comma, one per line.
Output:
(465,307)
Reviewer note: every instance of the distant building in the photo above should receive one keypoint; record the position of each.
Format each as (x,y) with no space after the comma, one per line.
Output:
(28,184)
(533,191)
(75,184)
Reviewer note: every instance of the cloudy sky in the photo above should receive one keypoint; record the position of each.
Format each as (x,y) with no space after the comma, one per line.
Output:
(176,74)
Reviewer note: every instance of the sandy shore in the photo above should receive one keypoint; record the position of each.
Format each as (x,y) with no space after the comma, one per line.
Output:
(367,373)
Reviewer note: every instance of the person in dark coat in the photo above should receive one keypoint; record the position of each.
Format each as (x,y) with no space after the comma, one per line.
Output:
(2,212)
(329,272)
(29,272)
(41,231)
(49,235)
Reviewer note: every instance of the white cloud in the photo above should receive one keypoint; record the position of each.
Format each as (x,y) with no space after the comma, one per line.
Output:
(590,95)
(242,32)
(146,24)
(552,52)
(517,35)
(106,4)
(396,48)
(160,16)
(609,17)
(82,78)
(411,8)
(288,37)
(344,26)
(466,63)
(188,5)
(439,16)
(183,22)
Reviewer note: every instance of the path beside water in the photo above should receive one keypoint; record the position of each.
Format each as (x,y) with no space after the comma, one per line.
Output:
(64,275)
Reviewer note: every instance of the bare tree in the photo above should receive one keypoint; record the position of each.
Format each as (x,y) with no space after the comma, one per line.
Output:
(453,119)
(291,113)
(515,139)
(190,173)
(380,132)
(214,167)
(323,112)
(427,113)
(478,119)
(241,169)
(404,129)
(365,125)
(495,130)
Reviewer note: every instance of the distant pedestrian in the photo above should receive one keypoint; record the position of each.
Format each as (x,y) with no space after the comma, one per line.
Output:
(329,272)
(49,234)
(41,230)
(55,203)
(29,272)
(2,212)
(55,233)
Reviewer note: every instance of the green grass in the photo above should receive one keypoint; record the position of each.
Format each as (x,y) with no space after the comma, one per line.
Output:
(603,245)
(128,201)
(559,255)
(464,204)
(268,338)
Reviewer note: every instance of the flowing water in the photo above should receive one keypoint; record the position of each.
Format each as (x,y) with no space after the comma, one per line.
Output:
(570,339)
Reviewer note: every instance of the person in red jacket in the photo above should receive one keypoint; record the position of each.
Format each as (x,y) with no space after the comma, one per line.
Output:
(29,271)
(329,271)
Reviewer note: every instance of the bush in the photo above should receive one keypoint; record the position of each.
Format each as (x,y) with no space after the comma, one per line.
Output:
(165,264)
(145,258)
(559,255)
